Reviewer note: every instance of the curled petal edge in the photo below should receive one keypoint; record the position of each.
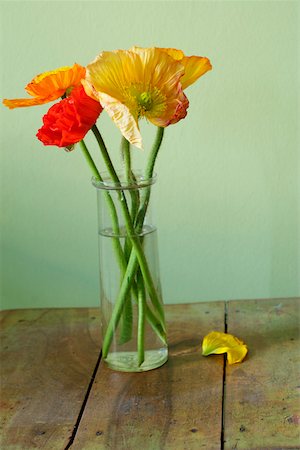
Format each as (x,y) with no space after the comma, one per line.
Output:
(122,118)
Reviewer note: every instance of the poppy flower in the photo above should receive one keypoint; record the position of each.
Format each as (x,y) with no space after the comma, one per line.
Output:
(216,342)
(49,86)
(68,121)
(143,83)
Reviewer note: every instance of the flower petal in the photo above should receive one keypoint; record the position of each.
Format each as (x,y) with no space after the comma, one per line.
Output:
(217,343)
(237,354)
(56,80)
(24,102)
(68,121)
(122,117)
(49,86)
(195,67)
(111,72)
(181,108)
(174,53)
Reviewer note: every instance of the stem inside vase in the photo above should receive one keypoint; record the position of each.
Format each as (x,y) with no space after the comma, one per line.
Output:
(134,333)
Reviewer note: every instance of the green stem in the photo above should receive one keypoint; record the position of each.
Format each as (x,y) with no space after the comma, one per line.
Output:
(125,146)
(130,177)
(154,151)
(105,155)
(156,324)
(97,175)
(152,319)
(141,318)
(119,305)
(115,223)
(89,160)
(148,175)
(127,316)
(137,248)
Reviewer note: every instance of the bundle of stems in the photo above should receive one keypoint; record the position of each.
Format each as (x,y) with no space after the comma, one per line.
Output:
(136,278)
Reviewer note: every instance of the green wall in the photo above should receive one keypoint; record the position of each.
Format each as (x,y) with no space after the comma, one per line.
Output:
(227,199)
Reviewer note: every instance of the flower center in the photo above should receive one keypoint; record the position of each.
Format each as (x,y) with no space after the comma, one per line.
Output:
(145,101)
(69,90)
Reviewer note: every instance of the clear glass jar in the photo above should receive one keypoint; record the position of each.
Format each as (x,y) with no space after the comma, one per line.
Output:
(132,315)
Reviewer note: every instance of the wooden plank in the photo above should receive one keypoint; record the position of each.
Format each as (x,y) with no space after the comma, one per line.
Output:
(262,408)
(47,359)
(177,406)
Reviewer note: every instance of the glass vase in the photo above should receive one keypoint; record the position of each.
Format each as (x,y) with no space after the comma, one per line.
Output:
(132,314)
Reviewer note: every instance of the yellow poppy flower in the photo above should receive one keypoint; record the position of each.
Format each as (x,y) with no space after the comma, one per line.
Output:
(140,83)
(216,342)
(49,86)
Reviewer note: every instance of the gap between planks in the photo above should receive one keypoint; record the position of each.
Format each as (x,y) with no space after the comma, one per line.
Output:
(224,381)
(88,391)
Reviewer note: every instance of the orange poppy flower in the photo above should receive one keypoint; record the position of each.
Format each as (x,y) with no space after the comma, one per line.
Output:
(49,86)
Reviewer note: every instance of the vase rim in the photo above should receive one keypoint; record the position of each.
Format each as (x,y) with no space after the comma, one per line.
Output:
(108,184)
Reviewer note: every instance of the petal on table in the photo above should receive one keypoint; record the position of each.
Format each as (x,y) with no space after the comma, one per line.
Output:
(218,343)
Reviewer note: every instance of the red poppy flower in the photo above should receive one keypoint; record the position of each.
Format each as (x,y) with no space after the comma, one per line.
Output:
(68,121)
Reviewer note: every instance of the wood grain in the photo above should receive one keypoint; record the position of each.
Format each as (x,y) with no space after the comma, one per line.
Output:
(262,407)
(48,357)
(177,406)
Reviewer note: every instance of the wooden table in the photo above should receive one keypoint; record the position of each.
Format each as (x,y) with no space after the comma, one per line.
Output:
(57,394)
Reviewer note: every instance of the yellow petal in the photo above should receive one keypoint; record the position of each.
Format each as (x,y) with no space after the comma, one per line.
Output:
(110,72)
(176,54)
(237,354)
(217,343)
(195,67)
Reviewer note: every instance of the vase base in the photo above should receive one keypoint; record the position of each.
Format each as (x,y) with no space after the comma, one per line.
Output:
(128,361)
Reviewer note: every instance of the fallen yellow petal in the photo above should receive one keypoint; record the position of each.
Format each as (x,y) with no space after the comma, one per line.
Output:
(217,343)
